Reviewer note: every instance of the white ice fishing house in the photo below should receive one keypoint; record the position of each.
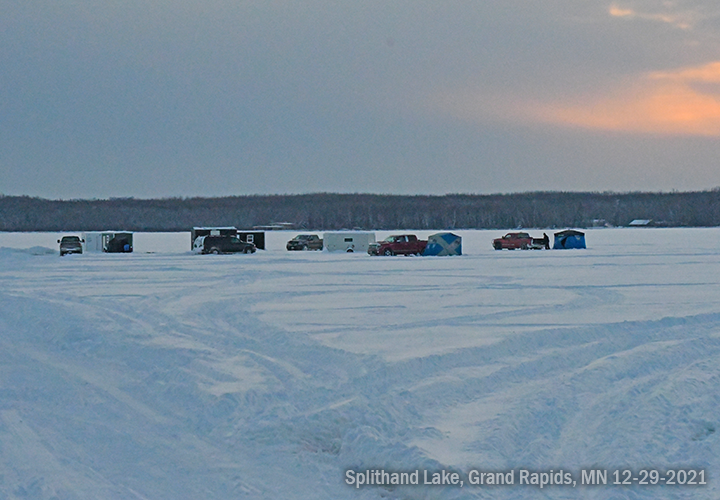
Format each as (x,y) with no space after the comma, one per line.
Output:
(348,241)
(108,241)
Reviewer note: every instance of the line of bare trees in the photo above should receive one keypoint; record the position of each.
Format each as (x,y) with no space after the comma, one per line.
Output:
(327,211)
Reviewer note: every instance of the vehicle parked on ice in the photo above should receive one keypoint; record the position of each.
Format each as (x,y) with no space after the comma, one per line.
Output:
(222,244)
(401,244)
(305,242)
(511,241)
(70,244)
(197,232)
(108,241)
(348,241)
(257,238)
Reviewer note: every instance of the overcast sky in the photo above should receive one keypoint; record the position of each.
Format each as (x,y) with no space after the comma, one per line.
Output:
(163,98)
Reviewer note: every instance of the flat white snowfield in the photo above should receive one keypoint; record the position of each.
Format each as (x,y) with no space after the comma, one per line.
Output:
(172,376)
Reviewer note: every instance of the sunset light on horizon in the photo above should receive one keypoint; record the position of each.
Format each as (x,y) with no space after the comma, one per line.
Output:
(669,102)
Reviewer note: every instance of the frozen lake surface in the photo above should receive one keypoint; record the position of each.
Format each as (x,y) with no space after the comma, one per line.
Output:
(167,375)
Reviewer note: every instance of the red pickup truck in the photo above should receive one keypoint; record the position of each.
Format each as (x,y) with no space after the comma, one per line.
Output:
(403,244)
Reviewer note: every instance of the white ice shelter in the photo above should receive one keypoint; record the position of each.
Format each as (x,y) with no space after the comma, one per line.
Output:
(93,241)
(100,241)
(348,241)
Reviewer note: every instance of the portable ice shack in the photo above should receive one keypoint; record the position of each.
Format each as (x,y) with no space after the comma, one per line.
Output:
(210,231)
(108,241)
(569,239)
(443,244)
(348,241)
(257,238)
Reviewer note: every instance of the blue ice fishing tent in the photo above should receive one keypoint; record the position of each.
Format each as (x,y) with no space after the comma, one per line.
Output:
(569,239)
(443,244)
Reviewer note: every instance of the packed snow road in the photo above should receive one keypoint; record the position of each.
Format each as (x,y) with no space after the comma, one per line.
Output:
(168,375)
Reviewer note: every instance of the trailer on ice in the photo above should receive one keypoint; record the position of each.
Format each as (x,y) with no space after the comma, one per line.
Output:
(348,241)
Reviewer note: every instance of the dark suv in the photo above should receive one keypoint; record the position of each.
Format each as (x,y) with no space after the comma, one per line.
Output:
(70,244)
(226,244)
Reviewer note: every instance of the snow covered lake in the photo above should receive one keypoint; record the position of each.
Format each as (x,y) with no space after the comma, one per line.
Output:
(167,375)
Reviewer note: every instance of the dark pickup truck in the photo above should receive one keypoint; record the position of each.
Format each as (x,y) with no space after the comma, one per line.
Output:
(305,242)
(403,244)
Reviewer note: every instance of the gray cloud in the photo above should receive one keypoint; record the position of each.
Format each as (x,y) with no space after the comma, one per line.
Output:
(213,98)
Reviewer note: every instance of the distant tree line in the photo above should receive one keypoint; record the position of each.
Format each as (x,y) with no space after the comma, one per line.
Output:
(327,211)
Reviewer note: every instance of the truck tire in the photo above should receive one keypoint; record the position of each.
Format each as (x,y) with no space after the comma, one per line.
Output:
(215,251)
(388,252)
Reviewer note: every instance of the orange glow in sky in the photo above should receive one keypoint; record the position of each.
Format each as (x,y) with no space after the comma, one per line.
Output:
(660,102)
(680,102)
(682,21)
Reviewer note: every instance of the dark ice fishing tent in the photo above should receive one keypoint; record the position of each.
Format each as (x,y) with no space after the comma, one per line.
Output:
(569,239)
(443,244)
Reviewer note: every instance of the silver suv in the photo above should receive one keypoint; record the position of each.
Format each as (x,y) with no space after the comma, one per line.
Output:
(70,244)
